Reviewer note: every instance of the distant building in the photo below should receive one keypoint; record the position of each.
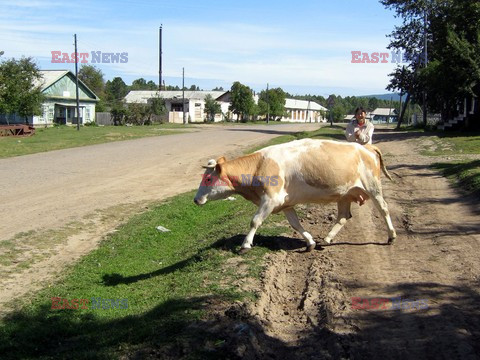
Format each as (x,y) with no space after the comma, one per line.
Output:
(383,115)
(296,110)
(194,106)
(304,111)
(59,106)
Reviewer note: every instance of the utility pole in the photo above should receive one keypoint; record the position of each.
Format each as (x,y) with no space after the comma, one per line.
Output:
(308,111)
(183,95)
(268,106)
(76,83)
(425,63)
(160,58)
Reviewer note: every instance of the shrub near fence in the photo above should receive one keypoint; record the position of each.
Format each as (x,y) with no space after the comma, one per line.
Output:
(106,118)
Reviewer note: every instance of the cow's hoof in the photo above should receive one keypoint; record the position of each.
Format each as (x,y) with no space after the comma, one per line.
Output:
(390,241)
(310,248)
(244,251)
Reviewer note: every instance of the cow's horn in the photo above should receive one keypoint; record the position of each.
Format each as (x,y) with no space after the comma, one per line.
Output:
(211,164)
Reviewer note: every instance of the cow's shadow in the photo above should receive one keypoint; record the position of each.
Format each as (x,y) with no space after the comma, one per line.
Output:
(272,243)
(231,244)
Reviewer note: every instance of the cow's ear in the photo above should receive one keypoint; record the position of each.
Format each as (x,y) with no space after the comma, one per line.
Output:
(221,160)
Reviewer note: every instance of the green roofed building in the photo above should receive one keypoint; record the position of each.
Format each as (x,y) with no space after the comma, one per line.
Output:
(60,105)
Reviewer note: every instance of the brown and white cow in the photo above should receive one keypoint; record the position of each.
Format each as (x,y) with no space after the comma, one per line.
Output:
(279,177)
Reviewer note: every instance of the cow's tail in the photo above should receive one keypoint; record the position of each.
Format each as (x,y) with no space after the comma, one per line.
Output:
(382,163)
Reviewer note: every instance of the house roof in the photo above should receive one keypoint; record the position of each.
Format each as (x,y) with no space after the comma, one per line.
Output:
(142,96)
(383,112)
(303,105)
(50,77)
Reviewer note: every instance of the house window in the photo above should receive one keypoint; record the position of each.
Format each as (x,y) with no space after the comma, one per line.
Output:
(177,107)
(50,113)
(87,114)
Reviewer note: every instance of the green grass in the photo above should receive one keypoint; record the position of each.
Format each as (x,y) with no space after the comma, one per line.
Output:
(464,175)
(168,280)
(455,143)
(63,137)
(463,172)
(325,132)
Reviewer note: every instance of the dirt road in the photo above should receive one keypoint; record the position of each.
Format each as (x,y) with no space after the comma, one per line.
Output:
(56,206)
(305,308)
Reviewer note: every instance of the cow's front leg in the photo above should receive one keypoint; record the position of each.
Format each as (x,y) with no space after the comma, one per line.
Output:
(292,218)
(266,207)
(343,215)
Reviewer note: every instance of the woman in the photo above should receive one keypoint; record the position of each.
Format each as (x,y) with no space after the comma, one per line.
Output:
(360,130)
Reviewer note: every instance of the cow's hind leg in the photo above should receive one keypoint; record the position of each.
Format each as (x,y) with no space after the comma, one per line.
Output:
(381,205)
(295,223)
(266,207)
(343,215)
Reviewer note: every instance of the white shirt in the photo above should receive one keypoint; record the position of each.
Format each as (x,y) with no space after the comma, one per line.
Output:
(365,135)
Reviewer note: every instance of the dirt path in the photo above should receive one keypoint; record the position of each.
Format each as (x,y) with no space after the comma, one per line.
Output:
(305,306)
(57,206)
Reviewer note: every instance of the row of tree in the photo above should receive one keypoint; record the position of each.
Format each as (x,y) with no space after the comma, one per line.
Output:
(443,40)
(17,95)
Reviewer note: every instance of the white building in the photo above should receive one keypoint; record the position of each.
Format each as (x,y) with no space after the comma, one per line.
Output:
(194,103)
(304,111)
(383,115)
(296,110)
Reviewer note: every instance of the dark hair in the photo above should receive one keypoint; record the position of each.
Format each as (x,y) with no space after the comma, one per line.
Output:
(360,109)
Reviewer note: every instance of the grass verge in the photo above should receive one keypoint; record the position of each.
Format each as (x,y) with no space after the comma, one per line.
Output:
(325,132)
(463,174)
(63,137)
(454,143)
(169,281)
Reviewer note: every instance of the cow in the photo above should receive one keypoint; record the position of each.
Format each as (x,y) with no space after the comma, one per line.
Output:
(278,177)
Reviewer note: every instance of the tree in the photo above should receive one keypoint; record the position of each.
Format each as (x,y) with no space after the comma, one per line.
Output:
(116,89)
(272,102)
(218,88)
(338,112)
(118,112)
(19,87)
(93,78)
(372,103)
(151,85)
(211,107)
(139,84)
(453,42)
(242,103)
(157,105)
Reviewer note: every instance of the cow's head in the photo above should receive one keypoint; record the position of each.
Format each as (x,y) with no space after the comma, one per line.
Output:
(214,185)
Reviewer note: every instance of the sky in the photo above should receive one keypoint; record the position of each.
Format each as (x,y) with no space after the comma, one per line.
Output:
(304,47)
